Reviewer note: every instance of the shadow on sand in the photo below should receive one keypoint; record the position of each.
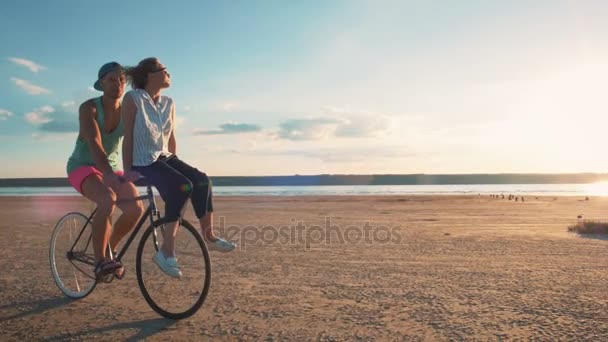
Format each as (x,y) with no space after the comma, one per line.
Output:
(145,329)
(33,307)
(603,237)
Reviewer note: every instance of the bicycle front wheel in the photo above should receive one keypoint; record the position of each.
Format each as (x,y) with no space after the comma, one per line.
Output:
(71,256)
(170,297)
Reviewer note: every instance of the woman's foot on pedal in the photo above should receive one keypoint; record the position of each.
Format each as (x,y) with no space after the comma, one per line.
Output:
(168,265)
(220,245)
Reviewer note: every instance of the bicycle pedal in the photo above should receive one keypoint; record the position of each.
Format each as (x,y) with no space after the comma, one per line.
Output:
(107,278)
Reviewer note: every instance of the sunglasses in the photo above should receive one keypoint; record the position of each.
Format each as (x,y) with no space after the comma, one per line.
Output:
(158,70)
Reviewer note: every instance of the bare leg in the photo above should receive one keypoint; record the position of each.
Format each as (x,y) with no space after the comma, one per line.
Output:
(95,190)
(169,233)
(214,242)
(131,213)
(207,227)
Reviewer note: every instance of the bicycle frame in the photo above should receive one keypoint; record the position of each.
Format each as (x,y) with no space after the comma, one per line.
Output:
(80,254)
(151,212)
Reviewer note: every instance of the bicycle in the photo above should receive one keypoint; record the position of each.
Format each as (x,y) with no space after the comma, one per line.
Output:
(77,253)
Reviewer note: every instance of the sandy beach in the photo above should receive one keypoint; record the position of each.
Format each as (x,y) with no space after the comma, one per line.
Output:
(413,268)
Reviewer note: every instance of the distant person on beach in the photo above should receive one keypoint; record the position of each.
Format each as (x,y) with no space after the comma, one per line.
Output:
(150,148)
(93,167)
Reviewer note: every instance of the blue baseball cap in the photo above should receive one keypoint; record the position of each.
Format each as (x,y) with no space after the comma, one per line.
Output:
(106,68)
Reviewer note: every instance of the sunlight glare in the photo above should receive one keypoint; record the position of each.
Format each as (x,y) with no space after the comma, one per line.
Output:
(597,189)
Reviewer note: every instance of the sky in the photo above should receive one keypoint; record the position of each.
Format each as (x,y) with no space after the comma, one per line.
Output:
(322,87)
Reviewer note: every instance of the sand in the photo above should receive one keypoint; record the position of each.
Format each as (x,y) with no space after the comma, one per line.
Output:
(411,268)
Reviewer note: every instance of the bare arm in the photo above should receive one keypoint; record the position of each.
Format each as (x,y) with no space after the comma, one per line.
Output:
(172,142)
(128,112)
(89,132)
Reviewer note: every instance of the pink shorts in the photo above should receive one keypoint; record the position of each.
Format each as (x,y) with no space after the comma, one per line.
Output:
(78,176)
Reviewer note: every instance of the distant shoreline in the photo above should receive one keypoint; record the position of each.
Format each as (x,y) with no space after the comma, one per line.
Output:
(406,179)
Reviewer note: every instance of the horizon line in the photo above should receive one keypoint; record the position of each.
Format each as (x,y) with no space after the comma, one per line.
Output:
(376,174)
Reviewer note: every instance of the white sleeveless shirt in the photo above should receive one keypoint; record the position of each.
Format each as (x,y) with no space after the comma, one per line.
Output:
(152,128)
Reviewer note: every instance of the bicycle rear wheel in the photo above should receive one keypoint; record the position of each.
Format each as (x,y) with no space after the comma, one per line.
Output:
(170,297)
(71,256)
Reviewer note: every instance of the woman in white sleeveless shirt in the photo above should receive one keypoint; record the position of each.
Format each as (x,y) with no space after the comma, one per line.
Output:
(150,148)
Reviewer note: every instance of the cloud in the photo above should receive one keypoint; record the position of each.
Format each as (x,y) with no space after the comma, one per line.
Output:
(361,127)
(358,124)
(341,154)
(33,66)
(358,154)
(70,106)
(225,106)
(336,122)
(228,106)
(231,128)
(61,125)
(39,115)
(50,120)
(306,129)
(4,114)
(29,88)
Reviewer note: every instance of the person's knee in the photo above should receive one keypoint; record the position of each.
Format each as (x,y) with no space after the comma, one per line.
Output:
(185,189)
(135,209)
(172,217)
(173,210)
(201,182)
(139,208)
(177,200)
(107,201)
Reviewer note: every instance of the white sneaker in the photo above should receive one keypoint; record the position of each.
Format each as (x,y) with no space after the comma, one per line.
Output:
(221,245)
(167,265)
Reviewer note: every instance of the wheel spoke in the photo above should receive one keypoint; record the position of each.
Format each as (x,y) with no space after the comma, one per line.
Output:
(69,239)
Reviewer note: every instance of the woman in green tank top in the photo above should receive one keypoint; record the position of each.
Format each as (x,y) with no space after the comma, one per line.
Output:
(93,167)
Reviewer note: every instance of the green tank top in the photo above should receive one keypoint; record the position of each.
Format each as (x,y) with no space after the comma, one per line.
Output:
(111,144)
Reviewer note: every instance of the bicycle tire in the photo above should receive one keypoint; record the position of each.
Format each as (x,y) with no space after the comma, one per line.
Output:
(81,271)
(206,281)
